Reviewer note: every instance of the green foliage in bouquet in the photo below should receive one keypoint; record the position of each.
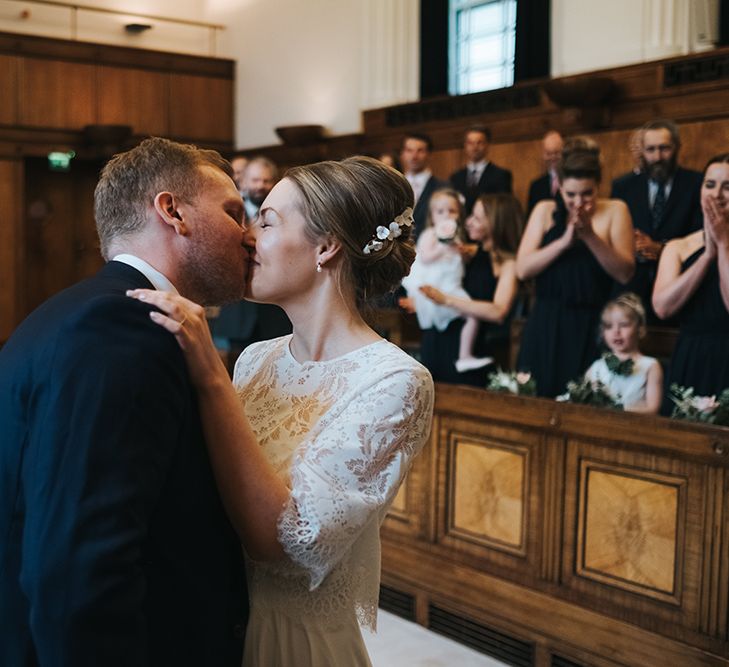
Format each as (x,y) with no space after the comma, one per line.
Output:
(590,392)
(706,409)
(512,382)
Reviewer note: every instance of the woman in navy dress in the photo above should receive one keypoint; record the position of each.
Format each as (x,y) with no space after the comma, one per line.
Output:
(693,283)
(574,247)
(490,280)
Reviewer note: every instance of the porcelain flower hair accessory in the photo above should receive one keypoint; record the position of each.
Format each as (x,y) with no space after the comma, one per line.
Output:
(384,234)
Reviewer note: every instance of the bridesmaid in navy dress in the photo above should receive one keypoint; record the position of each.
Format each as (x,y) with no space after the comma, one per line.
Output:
(490,279)
(574,247)
(693,283)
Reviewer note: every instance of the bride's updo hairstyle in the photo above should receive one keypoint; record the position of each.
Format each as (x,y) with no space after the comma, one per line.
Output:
(348,201)
(580,159)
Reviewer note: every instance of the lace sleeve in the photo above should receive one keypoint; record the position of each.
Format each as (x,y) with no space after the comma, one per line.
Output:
(351,467)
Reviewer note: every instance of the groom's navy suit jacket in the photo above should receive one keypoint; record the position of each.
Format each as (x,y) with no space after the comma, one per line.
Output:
(114,548)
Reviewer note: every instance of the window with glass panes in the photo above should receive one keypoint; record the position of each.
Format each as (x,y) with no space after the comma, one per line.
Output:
(482,34)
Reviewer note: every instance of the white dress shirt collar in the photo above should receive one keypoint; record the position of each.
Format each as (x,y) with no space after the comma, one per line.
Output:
(157,279)
(418,181)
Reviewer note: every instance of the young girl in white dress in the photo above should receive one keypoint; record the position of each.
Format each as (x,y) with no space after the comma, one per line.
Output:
(311,444)
(439,262)
(632,378)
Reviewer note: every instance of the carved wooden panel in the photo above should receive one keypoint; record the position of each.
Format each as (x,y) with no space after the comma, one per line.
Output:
(639,521)
(134,97)
(201,107)
(9,88)
(488,493)
(56,93)
(630,528)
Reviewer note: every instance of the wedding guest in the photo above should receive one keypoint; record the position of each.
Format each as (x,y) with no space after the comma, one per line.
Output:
(631,378)
(259,177)
(479,176)
(547,185)
(312,441)
(239,164)
(664,203)
(693,284)
(574,247)
(439,261)
(115,548)
(415,160)
(491,284)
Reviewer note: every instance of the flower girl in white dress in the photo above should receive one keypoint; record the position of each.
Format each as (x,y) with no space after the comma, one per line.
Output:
(311,445)
(633,379)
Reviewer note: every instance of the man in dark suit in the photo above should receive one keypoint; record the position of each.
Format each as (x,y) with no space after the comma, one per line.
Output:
(415,159)
(547,185)
(479,176)
(115,549)
(664,201)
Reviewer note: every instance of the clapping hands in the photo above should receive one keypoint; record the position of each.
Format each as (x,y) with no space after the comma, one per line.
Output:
(716,223)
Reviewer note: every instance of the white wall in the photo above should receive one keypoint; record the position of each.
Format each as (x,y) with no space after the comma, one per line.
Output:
(316,61)
(594,34)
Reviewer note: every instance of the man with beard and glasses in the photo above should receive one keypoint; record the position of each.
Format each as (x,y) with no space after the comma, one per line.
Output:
(115,547)
(664,202)
(259,178)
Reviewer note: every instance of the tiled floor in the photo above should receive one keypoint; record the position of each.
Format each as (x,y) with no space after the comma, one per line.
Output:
(400,643)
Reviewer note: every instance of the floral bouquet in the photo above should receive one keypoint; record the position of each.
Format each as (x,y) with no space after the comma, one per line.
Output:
(590,392)
(706,409)
(512,382)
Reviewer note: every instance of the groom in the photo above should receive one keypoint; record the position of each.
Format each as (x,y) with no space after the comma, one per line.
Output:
(114,547)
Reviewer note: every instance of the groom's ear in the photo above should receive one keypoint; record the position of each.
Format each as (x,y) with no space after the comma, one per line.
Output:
(166,208)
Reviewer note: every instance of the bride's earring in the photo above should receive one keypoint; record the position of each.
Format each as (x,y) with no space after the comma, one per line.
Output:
(318,267)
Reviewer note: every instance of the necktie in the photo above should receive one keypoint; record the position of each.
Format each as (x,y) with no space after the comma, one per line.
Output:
(553,183)
(659,205)
(472,178)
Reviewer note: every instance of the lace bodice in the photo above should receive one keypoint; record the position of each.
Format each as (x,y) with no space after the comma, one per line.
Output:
(342,434)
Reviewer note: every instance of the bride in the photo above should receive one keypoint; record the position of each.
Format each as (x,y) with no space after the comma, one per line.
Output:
(311,441)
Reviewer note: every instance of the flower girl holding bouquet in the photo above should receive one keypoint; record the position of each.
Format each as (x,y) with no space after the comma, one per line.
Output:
(631,378)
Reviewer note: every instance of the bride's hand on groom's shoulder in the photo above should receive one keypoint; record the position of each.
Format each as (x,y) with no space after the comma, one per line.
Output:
(187,321)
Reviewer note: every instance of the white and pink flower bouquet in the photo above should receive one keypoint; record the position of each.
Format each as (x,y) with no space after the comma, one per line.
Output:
(706,409)
(512,382)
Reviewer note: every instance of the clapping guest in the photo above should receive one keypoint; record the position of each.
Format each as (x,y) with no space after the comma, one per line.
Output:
(574,247)
(693,284)
(664,203)
(479,176)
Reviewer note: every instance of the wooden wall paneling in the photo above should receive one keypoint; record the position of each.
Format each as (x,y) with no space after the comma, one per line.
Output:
(12,243)
(715,576)
(136,97)
(57,93)
(552,510)
(9,88)
(201,107)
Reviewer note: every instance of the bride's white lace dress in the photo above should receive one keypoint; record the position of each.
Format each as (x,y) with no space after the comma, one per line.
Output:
(342,434)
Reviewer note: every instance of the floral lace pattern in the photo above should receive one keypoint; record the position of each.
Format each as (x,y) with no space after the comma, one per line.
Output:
(342,433)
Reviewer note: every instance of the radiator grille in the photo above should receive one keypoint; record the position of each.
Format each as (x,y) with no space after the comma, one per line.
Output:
(397,602)
(486,640)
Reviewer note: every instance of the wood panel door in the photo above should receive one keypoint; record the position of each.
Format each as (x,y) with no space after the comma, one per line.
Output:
(11,244)
(57,94)
(9,88)
(201,107)
(134,97)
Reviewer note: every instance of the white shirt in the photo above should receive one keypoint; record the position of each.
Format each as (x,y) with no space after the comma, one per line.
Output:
(653,189)
(418,182)
(478,167)
(157,279)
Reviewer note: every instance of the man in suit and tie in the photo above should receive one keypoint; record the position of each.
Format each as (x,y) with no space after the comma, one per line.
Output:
(664,202)
(115,548)
(479,176)
(415,160)
(547,185)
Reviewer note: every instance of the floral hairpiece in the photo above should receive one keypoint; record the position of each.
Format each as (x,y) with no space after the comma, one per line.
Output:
(390,233)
